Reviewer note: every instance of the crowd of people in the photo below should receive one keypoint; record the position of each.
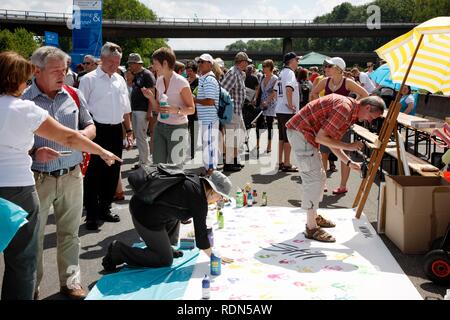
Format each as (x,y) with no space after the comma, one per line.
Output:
(52,116)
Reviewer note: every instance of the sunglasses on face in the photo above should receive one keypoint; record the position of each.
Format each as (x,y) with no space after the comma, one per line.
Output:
(88,63)
(328,66)
(115,49)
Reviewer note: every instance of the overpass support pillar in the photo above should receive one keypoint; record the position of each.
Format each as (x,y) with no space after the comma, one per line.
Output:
(287,45)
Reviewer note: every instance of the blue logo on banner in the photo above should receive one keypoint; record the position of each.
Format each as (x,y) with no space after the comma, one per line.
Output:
(87,32)
(51,39)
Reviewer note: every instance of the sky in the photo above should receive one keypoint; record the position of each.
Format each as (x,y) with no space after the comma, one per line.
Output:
(218,9)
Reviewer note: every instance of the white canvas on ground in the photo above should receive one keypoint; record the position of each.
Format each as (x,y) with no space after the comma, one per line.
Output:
(273,259)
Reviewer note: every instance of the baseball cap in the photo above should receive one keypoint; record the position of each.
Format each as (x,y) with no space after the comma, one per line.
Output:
(336,61)
(134,58)
(289,56)
(220,183)
(242,56)
(205,57)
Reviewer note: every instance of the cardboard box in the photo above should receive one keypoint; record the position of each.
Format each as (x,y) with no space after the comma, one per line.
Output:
(411,222)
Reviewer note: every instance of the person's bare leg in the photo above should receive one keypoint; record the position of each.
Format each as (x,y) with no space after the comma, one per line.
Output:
(311,215)
(345,173)
(287,154)
(280,152)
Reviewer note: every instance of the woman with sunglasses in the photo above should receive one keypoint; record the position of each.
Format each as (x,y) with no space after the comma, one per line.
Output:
(337,83)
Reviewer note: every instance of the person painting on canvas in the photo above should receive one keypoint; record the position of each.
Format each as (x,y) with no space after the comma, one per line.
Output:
(324,121)
(158,224)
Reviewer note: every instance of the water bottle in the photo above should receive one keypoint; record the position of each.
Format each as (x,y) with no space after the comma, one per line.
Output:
(206,284)
(163,101)
(210,237)
(249,200)
(221,220)
(215,264)
(255,195)
(264,199)
(239,199)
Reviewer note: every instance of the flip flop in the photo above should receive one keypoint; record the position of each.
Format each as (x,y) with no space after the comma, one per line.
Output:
(290,168)
(340,190)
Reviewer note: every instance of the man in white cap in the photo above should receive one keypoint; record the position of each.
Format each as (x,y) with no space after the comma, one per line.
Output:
(207,103)
(234,83)
(140,105)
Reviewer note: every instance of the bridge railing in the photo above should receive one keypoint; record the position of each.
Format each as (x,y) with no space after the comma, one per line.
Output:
(53,16)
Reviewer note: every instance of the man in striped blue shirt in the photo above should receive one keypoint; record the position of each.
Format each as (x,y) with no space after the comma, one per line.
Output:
(59,181)
(207,103)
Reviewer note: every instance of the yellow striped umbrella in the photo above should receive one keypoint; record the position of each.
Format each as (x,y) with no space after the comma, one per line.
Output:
(431,67)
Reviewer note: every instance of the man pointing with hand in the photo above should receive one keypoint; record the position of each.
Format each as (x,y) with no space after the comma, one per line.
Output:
(324,121)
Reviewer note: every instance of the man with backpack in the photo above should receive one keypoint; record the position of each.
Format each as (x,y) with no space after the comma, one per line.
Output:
(156,215)
(206,103)
(234,83)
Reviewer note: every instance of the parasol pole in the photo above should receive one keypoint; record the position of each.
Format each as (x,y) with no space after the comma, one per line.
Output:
(385,133)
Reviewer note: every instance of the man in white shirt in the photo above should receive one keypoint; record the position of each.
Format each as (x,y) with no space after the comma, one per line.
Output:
(106,93)
(288,102)
(364,79)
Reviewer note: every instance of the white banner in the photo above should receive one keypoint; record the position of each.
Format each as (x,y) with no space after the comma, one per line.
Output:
(88,4)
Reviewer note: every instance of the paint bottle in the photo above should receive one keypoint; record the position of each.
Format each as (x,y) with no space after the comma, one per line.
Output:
(221,220)
(245,198)
(249,200)
(210,236)
(215,265)
(255,195)
(239,199)
(163,102)
(206,284)
(264,199)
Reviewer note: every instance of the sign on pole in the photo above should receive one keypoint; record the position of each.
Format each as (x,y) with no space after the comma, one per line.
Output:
(86,28)
(51,39)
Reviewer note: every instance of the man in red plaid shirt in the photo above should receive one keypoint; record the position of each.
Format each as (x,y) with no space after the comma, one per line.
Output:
(324,121)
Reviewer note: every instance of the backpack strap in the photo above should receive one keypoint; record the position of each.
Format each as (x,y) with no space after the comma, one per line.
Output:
(220,89)
(73,94)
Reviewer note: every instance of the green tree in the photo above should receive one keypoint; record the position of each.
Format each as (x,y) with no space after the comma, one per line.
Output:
(238,46)
(132,10)
(20,41)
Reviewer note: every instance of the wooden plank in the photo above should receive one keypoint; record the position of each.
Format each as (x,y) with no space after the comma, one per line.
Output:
(415,163)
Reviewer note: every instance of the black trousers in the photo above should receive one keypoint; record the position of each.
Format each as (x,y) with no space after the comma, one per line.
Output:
(260,124)
(100,182)
(158,252)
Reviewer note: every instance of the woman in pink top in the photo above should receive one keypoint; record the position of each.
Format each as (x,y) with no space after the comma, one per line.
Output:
(171,131)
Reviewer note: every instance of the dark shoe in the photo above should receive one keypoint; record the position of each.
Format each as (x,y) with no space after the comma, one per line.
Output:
(91,225)
(107,262)
(109,217)
(36,294)
(289,168)
(177,253)
(187,221)
(231,168)
(76,293)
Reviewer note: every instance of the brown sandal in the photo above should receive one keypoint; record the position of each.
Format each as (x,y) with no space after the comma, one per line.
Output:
(324,223)
(318,234)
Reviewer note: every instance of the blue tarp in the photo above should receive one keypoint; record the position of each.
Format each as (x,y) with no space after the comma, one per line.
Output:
(168,283)
(12,217)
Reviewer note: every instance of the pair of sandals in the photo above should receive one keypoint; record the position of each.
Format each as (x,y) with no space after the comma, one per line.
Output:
(318,233)
(289,168)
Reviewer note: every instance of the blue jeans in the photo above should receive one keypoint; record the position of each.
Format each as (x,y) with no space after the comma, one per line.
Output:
(20,255)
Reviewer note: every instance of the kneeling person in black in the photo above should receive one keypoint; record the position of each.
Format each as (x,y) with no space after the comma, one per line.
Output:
(158,224)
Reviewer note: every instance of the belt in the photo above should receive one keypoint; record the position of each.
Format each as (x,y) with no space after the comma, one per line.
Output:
(57,173)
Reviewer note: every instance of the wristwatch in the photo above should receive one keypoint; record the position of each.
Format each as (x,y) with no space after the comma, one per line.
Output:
(129,130)
(348,162)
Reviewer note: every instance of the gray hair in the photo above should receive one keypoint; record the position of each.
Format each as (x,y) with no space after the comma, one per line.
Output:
(111,49)
(375,102)
(89,56)
(41,56)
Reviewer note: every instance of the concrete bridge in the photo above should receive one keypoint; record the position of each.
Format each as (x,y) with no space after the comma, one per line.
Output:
(39,22)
